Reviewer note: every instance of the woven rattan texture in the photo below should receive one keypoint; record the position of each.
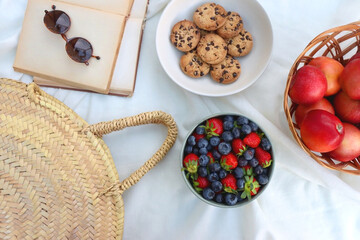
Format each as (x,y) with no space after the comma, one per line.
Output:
(339,43)
(56,171)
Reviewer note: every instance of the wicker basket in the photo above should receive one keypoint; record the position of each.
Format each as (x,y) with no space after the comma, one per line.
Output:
(339,43)
(57,177)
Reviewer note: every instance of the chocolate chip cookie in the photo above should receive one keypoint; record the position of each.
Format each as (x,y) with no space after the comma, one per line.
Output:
(227,71)
(212,48)
(241,44)
(193,66)
(210,16)
(232,26)
(185,35)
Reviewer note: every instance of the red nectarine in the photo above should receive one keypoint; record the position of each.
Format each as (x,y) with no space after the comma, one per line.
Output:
(347,109)
(308,85)
(321,131)
(302,110)
(332,70)
(350,146)
(350,79)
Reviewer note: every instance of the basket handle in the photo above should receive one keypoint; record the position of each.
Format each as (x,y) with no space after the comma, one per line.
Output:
(156,117)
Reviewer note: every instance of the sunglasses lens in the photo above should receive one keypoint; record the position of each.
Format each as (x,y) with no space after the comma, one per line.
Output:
(79,49)
(57,21)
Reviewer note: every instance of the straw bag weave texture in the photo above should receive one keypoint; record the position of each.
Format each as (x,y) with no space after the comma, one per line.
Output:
(57,176)
(339,43)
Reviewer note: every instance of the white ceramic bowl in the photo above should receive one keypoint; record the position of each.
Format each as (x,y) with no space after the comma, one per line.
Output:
(253,65)
(270,169)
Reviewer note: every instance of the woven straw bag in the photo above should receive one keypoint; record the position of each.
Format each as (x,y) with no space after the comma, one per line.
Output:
(57,177)
(339,43)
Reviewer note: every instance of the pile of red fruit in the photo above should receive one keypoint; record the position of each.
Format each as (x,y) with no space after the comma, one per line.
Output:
(227,159)
(327,95)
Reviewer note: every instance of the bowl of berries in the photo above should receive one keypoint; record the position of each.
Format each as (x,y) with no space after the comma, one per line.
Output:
(227,160)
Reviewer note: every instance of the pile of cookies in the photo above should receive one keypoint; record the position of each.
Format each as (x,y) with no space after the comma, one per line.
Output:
(211,42)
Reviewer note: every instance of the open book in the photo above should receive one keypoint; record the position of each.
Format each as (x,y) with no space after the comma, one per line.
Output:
(114,28)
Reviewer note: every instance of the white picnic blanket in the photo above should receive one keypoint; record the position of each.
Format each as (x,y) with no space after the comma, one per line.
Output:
(303,200)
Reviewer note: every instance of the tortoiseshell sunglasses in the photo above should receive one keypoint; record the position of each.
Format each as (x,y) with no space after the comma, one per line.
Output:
(79,49)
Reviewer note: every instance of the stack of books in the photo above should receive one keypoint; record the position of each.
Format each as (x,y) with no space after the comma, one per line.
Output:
(113,27)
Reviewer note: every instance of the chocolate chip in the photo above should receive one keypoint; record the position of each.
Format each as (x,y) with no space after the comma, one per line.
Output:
(213,18)
(222,66)
(197,10)
(201,73)
(224,72)
(247,37)
(205,8)
(207,49)
(234,74)
(195,73)
(200,13)
(221,80)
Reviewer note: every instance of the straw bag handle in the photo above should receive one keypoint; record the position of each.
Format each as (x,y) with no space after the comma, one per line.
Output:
(157,117)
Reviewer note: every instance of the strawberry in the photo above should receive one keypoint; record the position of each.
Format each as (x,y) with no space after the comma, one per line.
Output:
(252,140)
(263,156)
(238,146)
(248,170)
(198,136)
(200,183)
(251,187)
(191,163)
(228,162)
(212,160)
(214,127)
(229,183)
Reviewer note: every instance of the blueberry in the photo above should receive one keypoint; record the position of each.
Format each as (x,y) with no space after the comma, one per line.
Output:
(214,167)
(265,144)
(246,129)
(229,118)
(203,151)
(209,147)
(254,162)
(191,140)
(227,125)
(214,141)
(227,136)
(242,120)
(216,186)
(200,130)
(196,150)
(242,162)
(216,154)
(224,148)
(263,179)
(208,194)
(258,170)
(249,154)
(222,173)
(204,160)
(188,149)
(238,172)
(219,198)
(230,199)
(254,126)
(213,177)
(202,171)
(240,183)
(202,143)
(236,132)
